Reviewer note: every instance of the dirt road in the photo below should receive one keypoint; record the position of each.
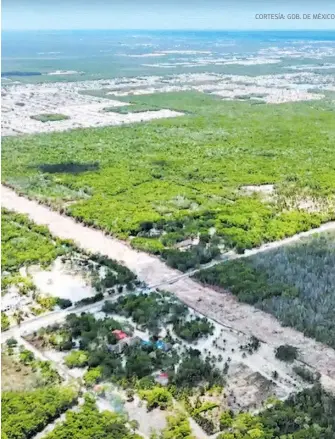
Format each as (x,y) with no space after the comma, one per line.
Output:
(223,308)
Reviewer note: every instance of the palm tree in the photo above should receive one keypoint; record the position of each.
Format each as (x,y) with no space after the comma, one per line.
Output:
(134,425)
(18,316)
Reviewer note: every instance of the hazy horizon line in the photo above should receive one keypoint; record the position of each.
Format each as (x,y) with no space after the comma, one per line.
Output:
(168,30)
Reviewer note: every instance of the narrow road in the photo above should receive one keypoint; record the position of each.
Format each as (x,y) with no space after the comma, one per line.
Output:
(221,307)
(63,371)
(51,318)
(35,323)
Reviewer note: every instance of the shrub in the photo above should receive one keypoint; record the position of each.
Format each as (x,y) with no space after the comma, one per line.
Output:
(287,353)
(49,117)
(305,374)
(76,359)
(156,397)
(63,303)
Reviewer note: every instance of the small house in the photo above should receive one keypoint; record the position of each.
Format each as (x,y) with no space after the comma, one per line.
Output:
(162,378)
(119,347)
(120,335)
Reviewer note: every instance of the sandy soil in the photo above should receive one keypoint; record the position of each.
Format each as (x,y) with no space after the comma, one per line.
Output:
(16,377)
(57,282)
(221,307)
(83,111)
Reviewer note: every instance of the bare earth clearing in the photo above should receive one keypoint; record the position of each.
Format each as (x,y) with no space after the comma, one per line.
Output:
(221,307)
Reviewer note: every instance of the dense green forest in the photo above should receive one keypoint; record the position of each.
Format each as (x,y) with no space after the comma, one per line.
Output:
(294,282)
(24,242)
(151,311)
(166,181)
(306,415)
(159,309)
(24,414)
(89,422)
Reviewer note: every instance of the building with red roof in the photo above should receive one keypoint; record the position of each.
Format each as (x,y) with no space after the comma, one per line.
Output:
(162,378)
(120,335)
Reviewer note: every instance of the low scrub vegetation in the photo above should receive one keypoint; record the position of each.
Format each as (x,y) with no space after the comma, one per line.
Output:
(287,353)
(26,413)
(49,117)
(134,108)
(24,242)
(148,310)
(89,422)
(175,180)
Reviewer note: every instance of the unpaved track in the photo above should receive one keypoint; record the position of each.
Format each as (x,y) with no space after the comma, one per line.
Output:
(223,308)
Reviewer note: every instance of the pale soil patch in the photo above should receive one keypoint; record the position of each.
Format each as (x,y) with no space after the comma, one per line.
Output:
(266,191)
(83,111)
(197,62)
(16,376)
(137,410)
(311,205)
(275,89)
(249,375)
(247,390)
(221,307)
(274,96)
(62,282)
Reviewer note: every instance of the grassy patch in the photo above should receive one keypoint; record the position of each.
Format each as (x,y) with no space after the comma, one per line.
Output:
(26,413)
(131,109)
(49,117)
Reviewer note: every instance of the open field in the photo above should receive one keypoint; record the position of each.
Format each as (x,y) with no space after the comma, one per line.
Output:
(16,377)
(191,187)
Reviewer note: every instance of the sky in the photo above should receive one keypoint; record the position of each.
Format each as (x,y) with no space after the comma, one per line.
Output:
(162,14)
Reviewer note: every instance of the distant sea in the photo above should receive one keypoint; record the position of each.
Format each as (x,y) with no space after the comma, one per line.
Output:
(37,56)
